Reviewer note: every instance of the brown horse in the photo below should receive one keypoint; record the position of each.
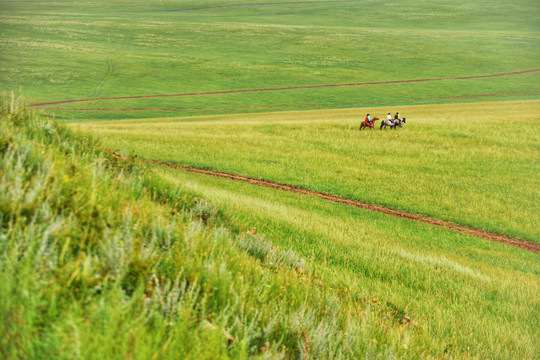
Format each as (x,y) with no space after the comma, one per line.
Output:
(368,125)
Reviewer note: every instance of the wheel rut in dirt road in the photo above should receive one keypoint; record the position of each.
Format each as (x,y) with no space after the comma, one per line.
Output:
(255,5)
(522,244)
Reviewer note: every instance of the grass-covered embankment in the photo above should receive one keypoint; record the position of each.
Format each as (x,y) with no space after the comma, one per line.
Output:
(465,292)
(98,259)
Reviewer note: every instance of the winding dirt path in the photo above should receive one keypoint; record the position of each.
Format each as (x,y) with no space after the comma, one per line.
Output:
(292,106)
(41,105)
(522,244)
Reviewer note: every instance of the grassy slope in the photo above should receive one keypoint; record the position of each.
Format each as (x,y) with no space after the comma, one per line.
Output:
(103,260)
(464,292)
(96,49)
(475,164)
(99,259)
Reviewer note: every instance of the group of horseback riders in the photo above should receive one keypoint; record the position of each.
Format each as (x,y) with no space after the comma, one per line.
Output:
(393,123)
(388,117)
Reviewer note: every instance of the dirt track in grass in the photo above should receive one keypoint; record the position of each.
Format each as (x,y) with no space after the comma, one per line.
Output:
(254,5)
(43,105)
(402,101)
(522,244)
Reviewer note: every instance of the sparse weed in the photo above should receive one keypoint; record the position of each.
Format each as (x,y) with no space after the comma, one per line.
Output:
(271,256)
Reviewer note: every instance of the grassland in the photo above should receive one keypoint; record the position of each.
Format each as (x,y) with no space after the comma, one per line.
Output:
(94,49)
(475,164)
(474,293)
(103,257)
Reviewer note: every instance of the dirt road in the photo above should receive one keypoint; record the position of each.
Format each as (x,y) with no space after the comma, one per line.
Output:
(526,245)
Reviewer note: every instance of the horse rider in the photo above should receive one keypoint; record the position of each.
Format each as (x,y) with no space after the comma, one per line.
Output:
(368,119)
(396,117)
(389,117)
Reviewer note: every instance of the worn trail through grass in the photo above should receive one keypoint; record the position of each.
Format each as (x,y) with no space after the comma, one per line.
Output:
(282,89)
(252,5)
(289,106)
(526,245)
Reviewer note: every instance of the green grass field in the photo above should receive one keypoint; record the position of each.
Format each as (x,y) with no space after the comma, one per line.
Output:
(473,293)
(95,49)
(104,257)
(475,164)
(101,258)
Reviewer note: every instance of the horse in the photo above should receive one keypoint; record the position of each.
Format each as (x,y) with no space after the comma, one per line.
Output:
(368,125)
(392,123)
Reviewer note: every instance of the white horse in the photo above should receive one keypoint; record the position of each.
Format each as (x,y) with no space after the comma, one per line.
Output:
(392,123)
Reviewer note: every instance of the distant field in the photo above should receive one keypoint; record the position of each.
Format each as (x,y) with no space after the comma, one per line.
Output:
(475,164)
(98,49)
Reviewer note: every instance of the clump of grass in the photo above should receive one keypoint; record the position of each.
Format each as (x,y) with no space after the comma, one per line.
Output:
(271,256)
(203,210)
